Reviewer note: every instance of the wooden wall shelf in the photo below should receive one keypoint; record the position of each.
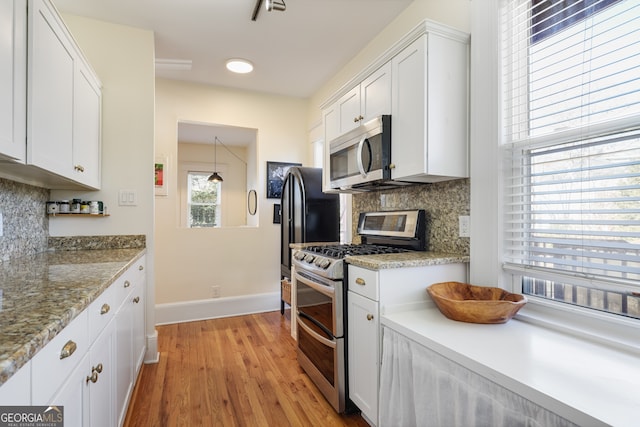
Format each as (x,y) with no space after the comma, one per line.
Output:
(78,215)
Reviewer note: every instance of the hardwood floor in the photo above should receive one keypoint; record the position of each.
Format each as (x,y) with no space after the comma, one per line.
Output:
(237,371)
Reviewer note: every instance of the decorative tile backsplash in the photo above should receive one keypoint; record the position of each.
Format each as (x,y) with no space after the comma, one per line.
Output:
(25,225)
(443,202)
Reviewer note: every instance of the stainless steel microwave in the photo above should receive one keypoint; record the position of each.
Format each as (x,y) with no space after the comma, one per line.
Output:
(360,158)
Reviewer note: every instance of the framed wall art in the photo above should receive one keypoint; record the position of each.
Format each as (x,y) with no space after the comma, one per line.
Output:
(161,175)
(276,172)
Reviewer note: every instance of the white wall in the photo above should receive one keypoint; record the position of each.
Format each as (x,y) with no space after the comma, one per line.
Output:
(241,260)
(123,58)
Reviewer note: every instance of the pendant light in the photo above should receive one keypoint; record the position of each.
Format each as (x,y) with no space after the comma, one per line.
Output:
(215,177)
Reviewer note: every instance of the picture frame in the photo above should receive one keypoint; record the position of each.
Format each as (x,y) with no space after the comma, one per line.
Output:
(276,171)
(161,176)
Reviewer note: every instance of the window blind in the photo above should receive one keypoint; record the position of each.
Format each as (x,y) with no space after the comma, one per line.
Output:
(571,143)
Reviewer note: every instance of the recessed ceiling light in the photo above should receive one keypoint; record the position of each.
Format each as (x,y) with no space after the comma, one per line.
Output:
(238,65)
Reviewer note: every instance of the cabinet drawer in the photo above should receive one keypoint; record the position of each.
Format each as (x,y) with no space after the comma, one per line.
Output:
(123,286)
(101,311)
(51,366)
(364,282)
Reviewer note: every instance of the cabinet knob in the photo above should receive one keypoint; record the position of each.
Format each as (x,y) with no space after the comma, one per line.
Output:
(360,281)
(79,168)
(97,369)
(136,300)
(141,267)
(369,316)
(392,165)
(68,349)
(127,283)
(93,378)
(105,309)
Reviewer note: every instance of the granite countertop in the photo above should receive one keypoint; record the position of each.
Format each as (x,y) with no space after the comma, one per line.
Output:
(42,293)
(404,259)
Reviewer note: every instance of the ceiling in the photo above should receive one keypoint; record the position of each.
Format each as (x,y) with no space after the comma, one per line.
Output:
(294,51)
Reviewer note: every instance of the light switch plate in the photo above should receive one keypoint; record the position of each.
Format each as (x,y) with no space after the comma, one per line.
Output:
(127,198)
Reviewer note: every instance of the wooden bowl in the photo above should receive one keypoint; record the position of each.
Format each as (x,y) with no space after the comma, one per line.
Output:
(475,304)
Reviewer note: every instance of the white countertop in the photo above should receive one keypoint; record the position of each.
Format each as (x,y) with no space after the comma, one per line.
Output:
(585,382)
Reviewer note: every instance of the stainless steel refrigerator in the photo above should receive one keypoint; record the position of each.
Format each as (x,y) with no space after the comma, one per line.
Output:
(307,214)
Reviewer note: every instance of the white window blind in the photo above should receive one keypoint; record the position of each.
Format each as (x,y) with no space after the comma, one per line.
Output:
(571,144)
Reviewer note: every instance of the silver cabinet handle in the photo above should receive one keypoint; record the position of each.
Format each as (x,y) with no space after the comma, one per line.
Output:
(141,267)
(136,300)
(127,283)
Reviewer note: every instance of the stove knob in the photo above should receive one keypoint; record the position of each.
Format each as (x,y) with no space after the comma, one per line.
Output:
(325,263)
(309,258)
(299,255)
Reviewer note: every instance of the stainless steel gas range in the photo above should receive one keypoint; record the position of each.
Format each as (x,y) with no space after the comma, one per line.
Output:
(320,276)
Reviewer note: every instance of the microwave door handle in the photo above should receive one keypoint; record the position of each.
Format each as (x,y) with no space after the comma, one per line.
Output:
(359,157)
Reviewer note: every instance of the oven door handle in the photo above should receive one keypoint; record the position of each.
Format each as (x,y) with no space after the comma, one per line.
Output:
(325,341)
(326,290)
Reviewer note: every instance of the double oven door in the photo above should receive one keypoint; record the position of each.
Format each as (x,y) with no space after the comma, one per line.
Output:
(321,334)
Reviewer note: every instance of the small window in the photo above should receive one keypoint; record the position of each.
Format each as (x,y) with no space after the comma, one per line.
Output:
(203,200)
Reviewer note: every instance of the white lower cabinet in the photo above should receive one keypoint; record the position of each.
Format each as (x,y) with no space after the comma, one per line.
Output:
(91,366)
(370,294)
(363,345)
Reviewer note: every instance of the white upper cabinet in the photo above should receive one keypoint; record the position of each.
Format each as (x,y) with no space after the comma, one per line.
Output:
(429,131)
(13,79)
(423,82)
(64,102)
(370,98)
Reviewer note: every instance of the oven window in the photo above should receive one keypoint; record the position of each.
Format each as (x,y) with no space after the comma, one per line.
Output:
(317,306)
(322,357)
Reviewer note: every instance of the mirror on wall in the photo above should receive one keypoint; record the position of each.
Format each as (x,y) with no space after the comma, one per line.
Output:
(229,151)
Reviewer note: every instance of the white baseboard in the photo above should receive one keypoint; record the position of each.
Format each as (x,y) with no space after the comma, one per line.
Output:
(190,311)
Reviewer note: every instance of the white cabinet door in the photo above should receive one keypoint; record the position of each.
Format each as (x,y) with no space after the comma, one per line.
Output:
(50,107)
(363,336)
(73,395)
(13,79)
(138,318)
(124,358)
(429,110)
(349,110)
(375,94)
(408,128)
(86,128)
(102,411)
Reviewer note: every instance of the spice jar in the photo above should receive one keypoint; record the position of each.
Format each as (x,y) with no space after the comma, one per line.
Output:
(84,207)
(63,206)
(52,208)
(75,206)
(94,208)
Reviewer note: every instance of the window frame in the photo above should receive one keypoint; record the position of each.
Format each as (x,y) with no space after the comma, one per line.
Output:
(580,320)
(206,168)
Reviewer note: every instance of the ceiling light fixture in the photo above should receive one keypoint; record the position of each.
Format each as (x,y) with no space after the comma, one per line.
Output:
(215,177)
(239,65)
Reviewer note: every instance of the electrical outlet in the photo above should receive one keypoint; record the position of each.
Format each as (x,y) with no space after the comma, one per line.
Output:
(215,292)
(464,225)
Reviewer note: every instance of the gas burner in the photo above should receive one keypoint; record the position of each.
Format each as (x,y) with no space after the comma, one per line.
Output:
(341,251)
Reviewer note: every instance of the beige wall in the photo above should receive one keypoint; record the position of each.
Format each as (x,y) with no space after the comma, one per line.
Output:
(455,13)
(123,58)
(200,157)
(241,260)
